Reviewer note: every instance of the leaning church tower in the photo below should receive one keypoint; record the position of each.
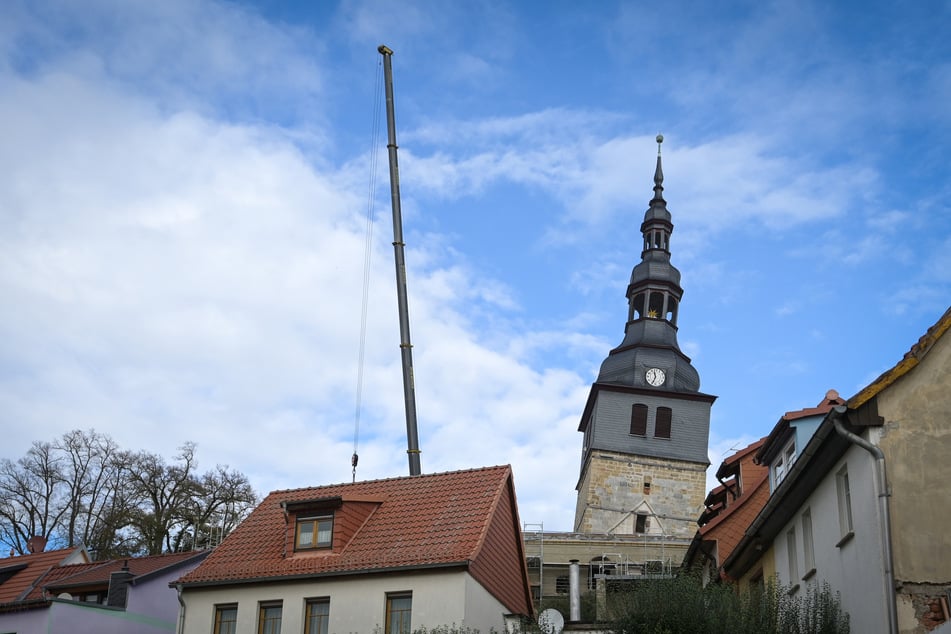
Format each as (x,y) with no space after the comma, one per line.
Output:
(646,423)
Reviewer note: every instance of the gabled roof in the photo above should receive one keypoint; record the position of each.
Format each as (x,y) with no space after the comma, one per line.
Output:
(98,574)
(466,519)
(782,430)
(822,451)
(29,570)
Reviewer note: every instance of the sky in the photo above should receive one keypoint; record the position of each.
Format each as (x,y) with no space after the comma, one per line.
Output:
(185,189)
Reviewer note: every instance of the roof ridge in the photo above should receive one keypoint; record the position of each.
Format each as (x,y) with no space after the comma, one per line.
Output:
(390,479)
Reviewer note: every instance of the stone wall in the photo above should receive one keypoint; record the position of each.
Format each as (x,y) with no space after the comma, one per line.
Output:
(615,488)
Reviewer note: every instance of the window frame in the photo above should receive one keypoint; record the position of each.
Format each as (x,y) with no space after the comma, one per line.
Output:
(323,627)
(391,611)
(639,420)
(808,545)
(264,621)
(663,426)
(642,523)
(844,498)
(782,466)
(315,520)
(219,622)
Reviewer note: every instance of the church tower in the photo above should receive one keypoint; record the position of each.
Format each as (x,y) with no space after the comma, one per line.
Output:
(646,423)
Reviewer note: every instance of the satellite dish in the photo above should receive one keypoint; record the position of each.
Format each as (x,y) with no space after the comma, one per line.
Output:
(551,621)
(65,595)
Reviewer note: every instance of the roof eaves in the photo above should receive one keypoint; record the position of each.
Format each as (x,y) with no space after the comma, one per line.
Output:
(817,458)
(908,361)
(733,508)
(318,575)
(200,555)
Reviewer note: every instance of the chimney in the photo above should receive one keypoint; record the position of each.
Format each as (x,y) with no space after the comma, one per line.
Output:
(119,587)
(574,591)
(36,544)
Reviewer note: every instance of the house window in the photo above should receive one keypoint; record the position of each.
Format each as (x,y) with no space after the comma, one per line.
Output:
(533,562)
(647,485)
(561,584)
(314,532)
(399,608)
(662,423)
(782,466)
(269,618)
(808,550)
(792,556)
(642,523)
(317,618)
(226,619)
(639,419)
(845,502)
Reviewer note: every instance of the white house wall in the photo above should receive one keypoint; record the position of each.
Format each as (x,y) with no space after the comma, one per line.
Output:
(357,603)
(853,569)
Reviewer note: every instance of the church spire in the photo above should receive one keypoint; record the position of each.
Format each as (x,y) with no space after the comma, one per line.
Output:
(650,335)
(659,173)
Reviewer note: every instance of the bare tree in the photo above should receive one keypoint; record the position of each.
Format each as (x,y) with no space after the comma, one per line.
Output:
(95,470)
(31,492)
(82,489)
(225,498)
(164,492)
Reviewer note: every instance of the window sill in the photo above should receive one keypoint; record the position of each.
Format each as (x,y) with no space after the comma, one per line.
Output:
(845,539)
(809,575)
(793,590)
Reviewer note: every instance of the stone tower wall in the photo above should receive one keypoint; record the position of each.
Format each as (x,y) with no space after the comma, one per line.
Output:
(612,492)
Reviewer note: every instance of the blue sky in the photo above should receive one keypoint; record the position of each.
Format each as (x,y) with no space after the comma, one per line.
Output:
(184,186)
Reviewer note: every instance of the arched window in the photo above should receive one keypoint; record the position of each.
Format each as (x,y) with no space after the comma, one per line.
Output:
(672,310)
(655,310)
(662,422)
(639,419)
(637,306)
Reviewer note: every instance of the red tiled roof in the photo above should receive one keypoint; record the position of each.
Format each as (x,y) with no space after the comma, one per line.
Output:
(35,566)
(97,574)
(421,521)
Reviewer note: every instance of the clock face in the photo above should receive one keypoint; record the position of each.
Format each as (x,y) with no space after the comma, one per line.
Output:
(655,376)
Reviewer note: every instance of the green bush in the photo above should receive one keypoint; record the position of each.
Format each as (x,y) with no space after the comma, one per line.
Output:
(682,606)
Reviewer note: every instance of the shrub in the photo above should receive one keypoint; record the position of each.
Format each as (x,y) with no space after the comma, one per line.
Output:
(682,606)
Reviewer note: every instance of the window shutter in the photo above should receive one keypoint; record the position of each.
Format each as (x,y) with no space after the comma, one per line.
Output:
(639,419)
(662,423)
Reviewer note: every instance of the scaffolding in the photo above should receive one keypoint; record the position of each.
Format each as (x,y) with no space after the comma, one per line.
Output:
(533,536)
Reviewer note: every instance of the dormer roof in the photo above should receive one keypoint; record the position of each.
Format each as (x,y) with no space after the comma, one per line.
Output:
(782,431)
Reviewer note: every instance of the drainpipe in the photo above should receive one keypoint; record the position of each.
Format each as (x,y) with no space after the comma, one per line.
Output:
(181,613)
(574,591)
(838,413)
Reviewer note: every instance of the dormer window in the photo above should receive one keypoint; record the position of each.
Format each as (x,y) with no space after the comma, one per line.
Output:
(784,463)
(310,523)
(314,532)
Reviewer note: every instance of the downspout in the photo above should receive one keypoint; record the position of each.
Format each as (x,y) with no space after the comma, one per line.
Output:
(181,612)
(838,413)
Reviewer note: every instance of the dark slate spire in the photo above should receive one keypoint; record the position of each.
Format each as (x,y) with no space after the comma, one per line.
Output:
(650,335)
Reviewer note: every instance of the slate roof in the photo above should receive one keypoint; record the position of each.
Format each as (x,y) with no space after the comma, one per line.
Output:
(457,519)
(27,570)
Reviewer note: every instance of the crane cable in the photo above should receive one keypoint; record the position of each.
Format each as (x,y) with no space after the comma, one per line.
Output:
(368,250)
